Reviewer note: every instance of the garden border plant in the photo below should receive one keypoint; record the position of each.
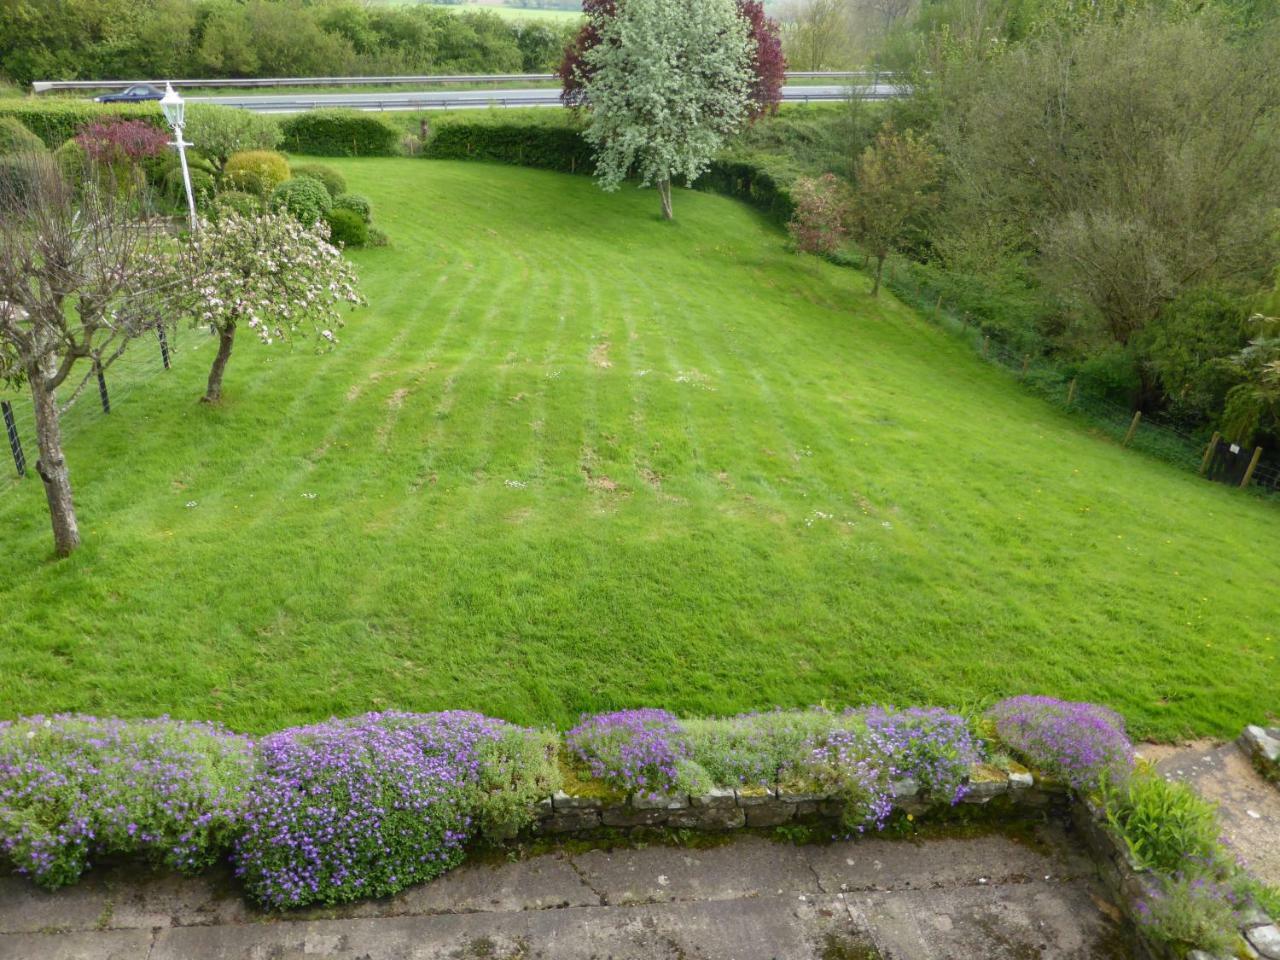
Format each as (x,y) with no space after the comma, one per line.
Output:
(368,805)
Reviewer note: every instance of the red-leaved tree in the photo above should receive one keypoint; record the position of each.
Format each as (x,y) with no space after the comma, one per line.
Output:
(768,65)
(112,140)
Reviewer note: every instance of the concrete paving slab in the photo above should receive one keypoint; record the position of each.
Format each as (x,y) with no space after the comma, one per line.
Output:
(100,945)
(747,867)
(879,864)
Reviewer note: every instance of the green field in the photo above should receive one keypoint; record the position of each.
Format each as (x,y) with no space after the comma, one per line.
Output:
(571,458)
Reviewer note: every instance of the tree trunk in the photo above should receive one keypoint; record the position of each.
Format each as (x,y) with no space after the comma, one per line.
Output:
(52,466)
(664,192)
(875,287)
(226,339)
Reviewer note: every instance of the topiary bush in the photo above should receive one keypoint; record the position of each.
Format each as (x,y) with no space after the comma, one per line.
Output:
(73,161)
(368,806)
(73,788)
(333,181)
(19,173)
(203,187)
(238,202)
(346,228)
(357,204)
(255,171)
(305,199)
(16,138)
(339,133)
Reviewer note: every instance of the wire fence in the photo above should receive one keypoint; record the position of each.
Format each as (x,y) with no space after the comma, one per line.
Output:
(90,394)
(1149,433)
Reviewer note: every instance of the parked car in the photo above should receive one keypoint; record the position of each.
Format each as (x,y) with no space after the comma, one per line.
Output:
(138,93)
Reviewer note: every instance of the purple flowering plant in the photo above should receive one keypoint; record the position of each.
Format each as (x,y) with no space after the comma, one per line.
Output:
(929,745)
(363,807)
(1081,743)
(1191,911)
(73,788)
(641,751)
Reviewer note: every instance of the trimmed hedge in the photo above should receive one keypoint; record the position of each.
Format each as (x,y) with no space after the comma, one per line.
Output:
(340,133)
(57,121)
(256,171)
(346,227)
(15,138)
(522,143)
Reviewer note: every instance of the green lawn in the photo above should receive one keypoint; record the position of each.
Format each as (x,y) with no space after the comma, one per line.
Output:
(574,458)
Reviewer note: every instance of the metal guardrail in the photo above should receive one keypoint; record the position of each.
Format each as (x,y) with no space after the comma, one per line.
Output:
(51,86)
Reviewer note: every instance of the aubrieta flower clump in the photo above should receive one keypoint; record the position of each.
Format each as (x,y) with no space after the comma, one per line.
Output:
(362,807)
(1191,911)
(929,745)
(641,751)
(845,761)
(1081,743)
(73,788)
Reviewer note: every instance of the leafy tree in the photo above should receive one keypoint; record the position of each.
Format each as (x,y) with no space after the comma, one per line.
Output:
(80,276)
(768,65)
(1254,405)
(818,224)
(818,34)
(895,177)
(1123,195)
(666,84)
(218,132)
(269,273)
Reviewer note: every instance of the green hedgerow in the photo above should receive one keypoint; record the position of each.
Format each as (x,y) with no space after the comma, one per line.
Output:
(346,228)
(357,203)
(304,198)
(16,138)
(333,181)
(255,171)
(340,133)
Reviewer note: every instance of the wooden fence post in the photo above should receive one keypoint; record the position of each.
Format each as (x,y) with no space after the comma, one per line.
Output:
(1253,465)
(1133,427)
(1071,392)
(1208,452)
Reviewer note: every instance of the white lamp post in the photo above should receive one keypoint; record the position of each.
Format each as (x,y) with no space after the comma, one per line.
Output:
(174,113)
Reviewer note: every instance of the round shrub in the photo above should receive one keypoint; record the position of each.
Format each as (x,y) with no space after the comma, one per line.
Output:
(158,168)
(238,202)
(333,181)
(346,228)
(367,806)
(256,171)
(378,238)
(73,161)
(15,138)
(75,787)
(302,197)
(356,203)
(19,174)
(203,187)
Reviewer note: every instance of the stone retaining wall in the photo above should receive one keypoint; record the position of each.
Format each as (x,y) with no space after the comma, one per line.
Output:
(729,809)
(1263,747)
(1126,880)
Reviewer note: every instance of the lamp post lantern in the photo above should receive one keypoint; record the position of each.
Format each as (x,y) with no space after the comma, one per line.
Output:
(175,114)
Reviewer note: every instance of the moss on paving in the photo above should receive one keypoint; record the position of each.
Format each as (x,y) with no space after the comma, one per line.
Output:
(573,458)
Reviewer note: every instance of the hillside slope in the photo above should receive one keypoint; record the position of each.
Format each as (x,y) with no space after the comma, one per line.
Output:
(572,457)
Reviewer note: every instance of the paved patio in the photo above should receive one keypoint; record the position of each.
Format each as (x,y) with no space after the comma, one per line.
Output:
(992,897)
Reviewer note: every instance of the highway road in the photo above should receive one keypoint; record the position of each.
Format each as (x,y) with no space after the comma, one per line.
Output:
(474,99)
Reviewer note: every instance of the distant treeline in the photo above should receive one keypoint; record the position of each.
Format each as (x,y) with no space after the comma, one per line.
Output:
(129,39)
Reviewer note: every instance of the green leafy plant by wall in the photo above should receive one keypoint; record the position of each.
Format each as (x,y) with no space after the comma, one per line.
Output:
(340,133)
(1165,825)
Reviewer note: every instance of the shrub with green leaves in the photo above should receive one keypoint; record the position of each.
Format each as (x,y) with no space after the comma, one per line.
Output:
(72,160)
(333,181)
(219,131)
(1165,825)
(759,749)
(357,204)
(73,788)
(255,171)
(340,133)
(1191,912)
(237,201)
(15,138)
(517,769)
(203,187)
(305,199)
(346,228)
(57,120)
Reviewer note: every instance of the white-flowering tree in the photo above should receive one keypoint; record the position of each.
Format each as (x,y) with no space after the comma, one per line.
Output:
(81,275)
(268,273)
(667,82)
